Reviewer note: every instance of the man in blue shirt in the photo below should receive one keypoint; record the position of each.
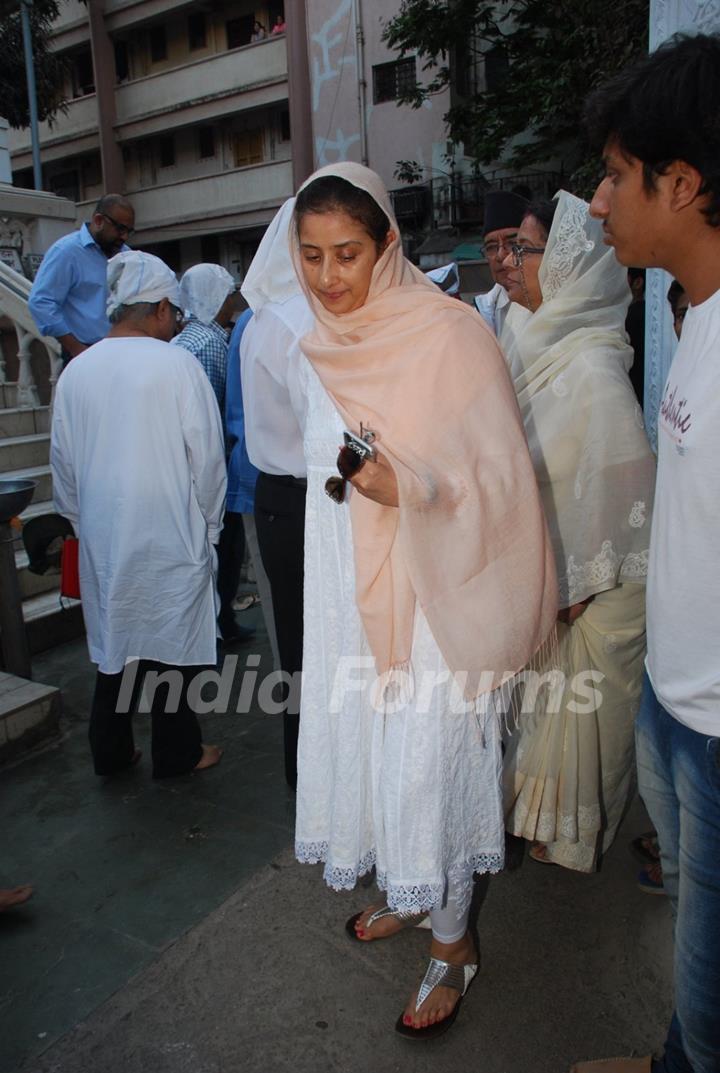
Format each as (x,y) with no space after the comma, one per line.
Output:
(69,295)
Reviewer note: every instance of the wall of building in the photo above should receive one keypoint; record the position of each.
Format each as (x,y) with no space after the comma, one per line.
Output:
(392,133)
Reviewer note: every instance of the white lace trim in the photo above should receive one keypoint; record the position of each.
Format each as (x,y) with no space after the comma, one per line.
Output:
(635,565)
(584,578)
(570,243)
(336,878)
(637,515)
(419,898)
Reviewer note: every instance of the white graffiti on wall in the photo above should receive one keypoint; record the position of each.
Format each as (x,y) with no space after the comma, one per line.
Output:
(331,35)
(330,151)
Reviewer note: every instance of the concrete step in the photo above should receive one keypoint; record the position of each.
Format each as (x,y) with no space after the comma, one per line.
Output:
(49,623)
(16,422)
(23,452)
(41,475)
(29,713)
(8,395)
(34,584)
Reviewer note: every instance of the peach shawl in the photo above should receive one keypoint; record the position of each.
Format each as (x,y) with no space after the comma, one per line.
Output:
(468,540)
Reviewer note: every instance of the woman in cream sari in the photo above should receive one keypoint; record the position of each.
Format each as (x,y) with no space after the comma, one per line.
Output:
(569,771)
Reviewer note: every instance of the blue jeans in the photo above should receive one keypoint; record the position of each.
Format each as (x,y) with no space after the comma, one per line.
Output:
(679,777)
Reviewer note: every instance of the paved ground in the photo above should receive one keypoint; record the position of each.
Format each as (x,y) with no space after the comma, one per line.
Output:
(172,931)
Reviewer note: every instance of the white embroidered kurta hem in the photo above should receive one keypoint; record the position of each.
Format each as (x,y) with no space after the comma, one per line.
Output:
(414,790)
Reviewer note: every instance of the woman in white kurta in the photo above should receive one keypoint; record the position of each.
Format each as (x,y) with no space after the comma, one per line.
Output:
(438,541)
(569,770)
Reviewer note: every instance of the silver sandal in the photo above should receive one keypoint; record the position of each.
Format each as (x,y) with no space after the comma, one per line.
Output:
(439,974)
(408,920)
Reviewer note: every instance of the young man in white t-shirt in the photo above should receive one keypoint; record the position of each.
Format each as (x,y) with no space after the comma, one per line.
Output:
(658,123)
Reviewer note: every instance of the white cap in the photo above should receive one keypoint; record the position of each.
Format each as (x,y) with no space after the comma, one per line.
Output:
(134,277)
(203,290)
(447,278)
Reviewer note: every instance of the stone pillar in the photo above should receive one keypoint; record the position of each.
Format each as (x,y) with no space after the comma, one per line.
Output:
(667,17)
(103,56)
(5,169)
(301,125)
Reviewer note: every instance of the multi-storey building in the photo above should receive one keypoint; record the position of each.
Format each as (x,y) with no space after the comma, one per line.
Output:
(183,108)
(175,105)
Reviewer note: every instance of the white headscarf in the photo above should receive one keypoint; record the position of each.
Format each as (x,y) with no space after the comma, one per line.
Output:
(203,289)
(569,362)
(134,277)
(447,278)
(271,276)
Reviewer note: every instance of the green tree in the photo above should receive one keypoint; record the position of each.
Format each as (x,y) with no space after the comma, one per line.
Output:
(544,56)
(49,67)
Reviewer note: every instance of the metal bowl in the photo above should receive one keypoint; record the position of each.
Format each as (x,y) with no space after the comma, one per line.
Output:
(14,497)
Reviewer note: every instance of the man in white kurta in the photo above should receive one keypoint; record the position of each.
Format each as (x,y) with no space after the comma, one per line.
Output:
(139,470)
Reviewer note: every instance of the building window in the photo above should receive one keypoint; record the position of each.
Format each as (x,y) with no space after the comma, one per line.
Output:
(166,151)
(158,44)
(196,31)
(206,142)
(285,126)
(497,69)
(122,62)
(91,171)
(210,249)
(248,148)
(66,184)
(83,77)
(239,31)
(169,252)
(393,80)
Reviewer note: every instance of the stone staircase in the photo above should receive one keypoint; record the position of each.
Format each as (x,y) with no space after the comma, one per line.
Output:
(30,711)
(24,452)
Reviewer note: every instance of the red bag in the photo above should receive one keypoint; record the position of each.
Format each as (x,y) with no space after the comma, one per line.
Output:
(69,570)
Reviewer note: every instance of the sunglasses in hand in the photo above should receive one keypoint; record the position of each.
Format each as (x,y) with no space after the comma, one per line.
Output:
(353,455)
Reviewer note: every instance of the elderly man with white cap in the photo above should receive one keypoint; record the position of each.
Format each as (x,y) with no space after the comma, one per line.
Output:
(139,470)
(210,300)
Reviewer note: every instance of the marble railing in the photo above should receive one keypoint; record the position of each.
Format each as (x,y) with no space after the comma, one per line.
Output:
(14,291)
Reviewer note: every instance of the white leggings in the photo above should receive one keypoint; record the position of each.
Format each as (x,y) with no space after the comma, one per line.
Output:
(449,923)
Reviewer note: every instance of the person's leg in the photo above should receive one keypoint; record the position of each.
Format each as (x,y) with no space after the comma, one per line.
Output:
(176,737)
(280,526)
(451,942)
(110,732)
(679,774)
(656,787)
(264,591)
(696,760)
(231,552)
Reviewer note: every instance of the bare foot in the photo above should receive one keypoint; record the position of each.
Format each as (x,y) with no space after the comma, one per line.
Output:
(12,896)
(383,928)
(210,757)
(539,852)
(441,1001)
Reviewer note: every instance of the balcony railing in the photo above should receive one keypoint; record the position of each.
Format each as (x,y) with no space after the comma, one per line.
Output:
(227,193)
(222,74)
(80,118)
